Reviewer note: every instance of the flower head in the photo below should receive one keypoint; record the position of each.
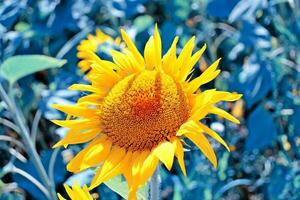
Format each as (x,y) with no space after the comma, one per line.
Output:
(100,44)
(139,111)
(77,193)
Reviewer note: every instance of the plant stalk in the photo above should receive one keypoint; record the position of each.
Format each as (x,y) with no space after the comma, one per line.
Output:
(155,185)
(24,132)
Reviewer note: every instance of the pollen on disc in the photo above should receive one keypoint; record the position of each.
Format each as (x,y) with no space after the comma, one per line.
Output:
(143,110)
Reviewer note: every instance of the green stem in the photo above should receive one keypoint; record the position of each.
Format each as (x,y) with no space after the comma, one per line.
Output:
(155,185)
(24,132)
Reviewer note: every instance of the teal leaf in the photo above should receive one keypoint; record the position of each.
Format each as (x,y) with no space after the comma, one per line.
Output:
(262,129)
(16,67)
(143,22)
(118,185)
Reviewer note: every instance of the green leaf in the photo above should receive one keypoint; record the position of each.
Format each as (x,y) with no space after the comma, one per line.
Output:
(22,27)
(17,67)
(177,193)
(118,185)
(143,22)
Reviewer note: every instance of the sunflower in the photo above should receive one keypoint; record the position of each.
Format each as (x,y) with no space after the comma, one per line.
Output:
(76,193)
(139,111)
(100,44)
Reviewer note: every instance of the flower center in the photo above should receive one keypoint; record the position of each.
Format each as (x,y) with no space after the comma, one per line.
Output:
(143,110)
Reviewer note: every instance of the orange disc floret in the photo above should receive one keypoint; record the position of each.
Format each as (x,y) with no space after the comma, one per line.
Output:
(143,110)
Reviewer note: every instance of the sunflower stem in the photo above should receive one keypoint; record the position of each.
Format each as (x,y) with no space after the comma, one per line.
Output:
(18,118)
(155,185)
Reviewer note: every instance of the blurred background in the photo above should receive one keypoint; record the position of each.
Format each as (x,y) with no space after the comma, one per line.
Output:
(259,42)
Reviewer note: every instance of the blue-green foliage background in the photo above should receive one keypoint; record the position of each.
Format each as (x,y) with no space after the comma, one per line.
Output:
(259,42)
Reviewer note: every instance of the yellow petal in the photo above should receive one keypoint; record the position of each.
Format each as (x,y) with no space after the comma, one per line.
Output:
(149,54)
(186,53)
(119,168)
(144,163)
(80,193)
(132,172)
(152,52)
(132,195)
(118,41)
(112,166)
(128,172)
(122,61)
(107,64)
(213,134)
(75,163)
(84,65)
(200,112)
(60,197)
(131,46)
(92,99)
(165,152)
(223,113)
(74,137)
(202,99)
(170,58)
(75,110)
(211,68)
(86,192)
(225,96)
(210,97)
(82,54)
(106,68)
(135,65)
(69,191)
(79,124)
(208,75)
(69,123)
(203,144)
(89,55)
(82,87)
(103,78)
(101,35)
(76,193)
(94,154)
(196,126)
(179,154)
(138,162)
(187,67)
(148,168)
(185,128)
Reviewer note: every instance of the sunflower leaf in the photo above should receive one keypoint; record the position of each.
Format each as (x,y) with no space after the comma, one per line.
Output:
(16,67)
(118,185)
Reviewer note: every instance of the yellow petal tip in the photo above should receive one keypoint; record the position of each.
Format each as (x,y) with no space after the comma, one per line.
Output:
(123,33)
(54,106)
(55,121)
(71,87)
(58,144)
(92,187)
